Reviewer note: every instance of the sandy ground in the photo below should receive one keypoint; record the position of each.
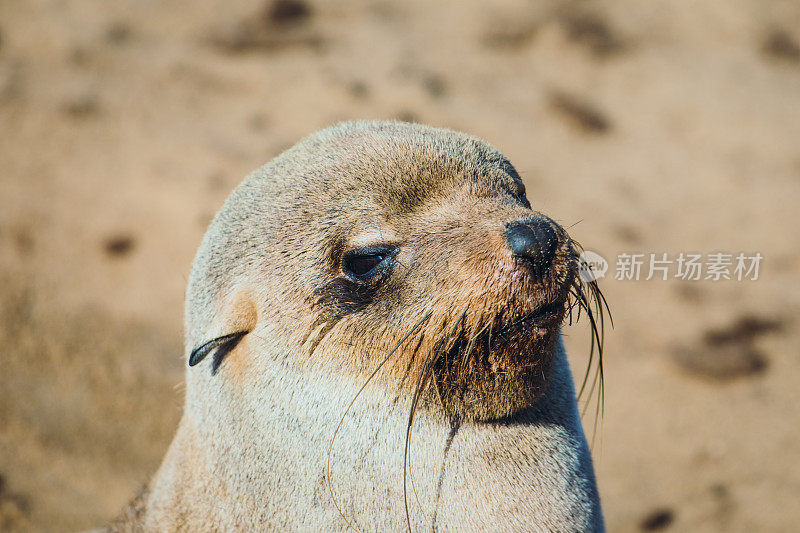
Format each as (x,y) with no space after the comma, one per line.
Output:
(664,127)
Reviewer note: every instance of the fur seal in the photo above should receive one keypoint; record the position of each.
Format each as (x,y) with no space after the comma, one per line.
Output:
(373,337)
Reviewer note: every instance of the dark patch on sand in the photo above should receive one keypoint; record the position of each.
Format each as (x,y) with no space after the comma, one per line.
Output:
(745,329)
(657,520)
(280,24)
(407,116)
(119,245)
(22,237)
(592,32)
(729,352)
(689,292)
(509,37)
(14,508)
(628,234)
(434,85)
(118,33)
(82,105)
(358,89)
(780,44)
(580,113)
(287,11)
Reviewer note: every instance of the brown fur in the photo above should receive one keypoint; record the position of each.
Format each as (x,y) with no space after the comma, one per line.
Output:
(270,267)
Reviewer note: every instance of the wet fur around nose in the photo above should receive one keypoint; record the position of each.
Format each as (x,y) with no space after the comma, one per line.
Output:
(455,328)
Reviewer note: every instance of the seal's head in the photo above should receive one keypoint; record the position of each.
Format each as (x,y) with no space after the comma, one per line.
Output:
(373,239)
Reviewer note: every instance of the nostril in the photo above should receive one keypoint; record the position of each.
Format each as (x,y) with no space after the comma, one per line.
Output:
(533,239)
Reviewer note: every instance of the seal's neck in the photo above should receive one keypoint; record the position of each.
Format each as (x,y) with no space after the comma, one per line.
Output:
(259,457)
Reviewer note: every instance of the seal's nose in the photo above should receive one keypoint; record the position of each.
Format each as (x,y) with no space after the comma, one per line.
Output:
(534,239)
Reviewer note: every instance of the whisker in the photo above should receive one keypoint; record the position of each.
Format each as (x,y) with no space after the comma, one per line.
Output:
(413,486)
(573,225)
(422,382)
(587,297)
(350,405)
(470,348)
(582,305)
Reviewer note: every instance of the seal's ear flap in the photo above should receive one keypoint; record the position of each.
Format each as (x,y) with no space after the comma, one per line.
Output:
(221,346)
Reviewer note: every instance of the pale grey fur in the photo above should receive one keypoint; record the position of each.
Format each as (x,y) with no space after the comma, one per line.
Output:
(254,457)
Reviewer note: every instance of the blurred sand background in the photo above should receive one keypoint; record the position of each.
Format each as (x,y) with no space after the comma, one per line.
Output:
(664,126)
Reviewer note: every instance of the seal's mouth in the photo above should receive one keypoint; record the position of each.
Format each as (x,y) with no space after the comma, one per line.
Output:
(501,366)
(543,317)
(498,370)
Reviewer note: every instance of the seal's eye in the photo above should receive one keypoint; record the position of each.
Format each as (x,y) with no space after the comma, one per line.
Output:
(367,263)
(361,265)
